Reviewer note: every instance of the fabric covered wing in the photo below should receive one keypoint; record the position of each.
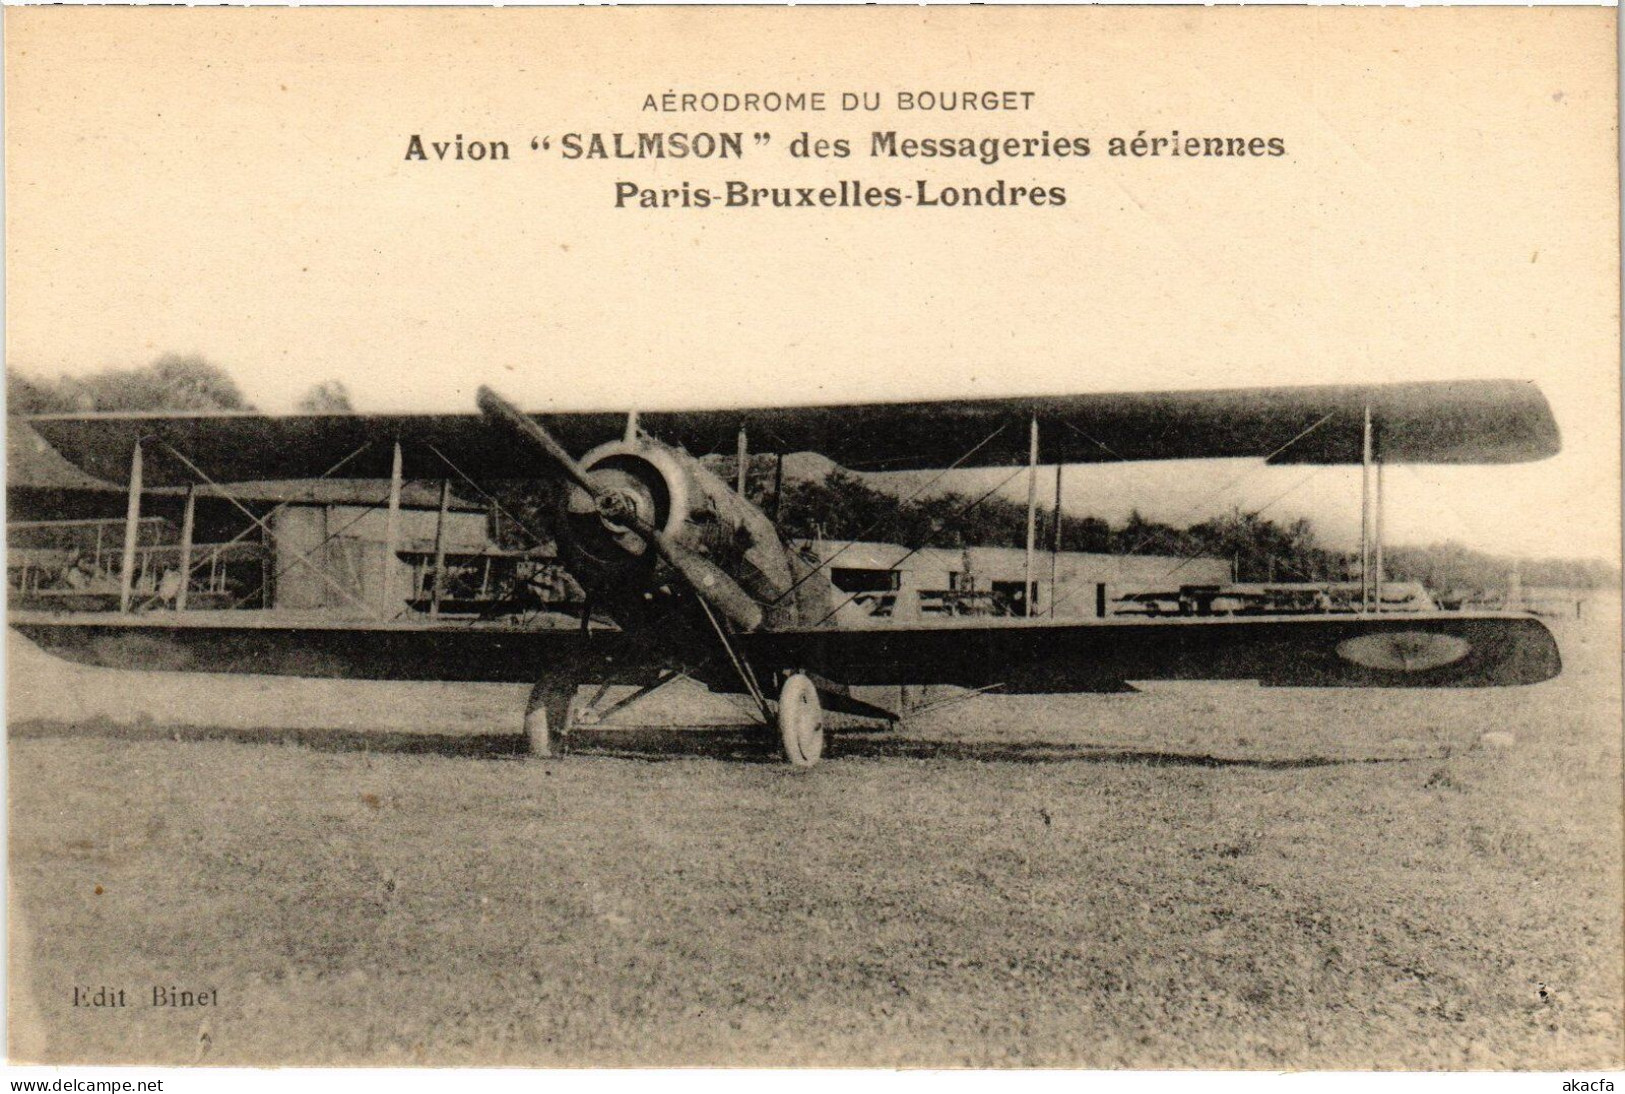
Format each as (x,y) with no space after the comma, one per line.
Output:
(241,643)
(1473,421)
(1443,649)
(1435,649)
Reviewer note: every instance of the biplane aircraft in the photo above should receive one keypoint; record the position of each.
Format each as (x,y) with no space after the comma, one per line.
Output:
(698,580)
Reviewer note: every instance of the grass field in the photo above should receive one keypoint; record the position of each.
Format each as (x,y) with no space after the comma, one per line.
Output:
(1214,876)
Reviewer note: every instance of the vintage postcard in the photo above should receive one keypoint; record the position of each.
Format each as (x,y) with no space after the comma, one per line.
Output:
(929,537)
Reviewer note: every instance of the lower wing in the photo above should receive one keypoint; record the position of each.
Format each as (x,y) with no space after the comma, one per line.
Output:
(215,642)
(1414,649)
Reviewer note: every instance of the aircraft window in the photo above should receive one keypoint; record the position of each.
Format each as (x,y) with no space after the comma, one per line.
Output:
(852,580)
(1010,598)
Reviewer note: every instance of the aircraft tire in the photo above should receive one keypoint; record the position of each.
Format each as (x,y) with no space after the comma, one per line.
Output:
(801,721)
(547,719)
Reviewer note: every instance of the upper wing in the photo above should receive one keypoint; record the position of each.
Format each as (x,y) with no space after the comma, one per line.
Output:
(1469,421)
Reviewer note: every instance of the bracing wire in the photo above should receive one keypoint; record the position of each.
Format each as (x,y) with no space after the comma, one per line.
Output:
(876,524)
(916,550)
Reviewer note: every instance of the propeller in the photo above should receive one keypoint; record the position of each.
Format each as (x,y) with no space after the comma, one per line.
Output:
(619,512)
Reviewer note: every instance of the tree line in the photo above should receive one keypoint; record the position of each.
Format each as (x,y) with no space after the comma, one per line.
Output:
(843,506)
(177,382)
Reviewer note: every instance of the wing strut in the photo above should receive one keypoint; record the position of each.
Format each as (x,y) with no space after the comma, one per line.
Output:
(1055,551)
(1365,514)
(1370,555)
(392,535)
(438,590)
(778,487)
(1378,576)
(188,527)
(132,529)
(1027,597)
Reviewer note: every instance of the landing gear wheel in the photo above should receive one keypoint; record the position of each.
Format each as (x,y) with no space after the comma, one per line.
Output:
(547,719)
(801,721)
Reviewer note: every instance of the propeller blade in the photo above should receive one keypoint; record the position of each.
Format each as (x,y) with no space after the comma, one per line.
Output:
(503,413)
(709,581)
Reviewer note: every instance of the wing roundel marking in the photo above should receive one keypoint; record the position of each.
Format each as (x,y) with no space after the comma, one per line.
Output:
(1404,651)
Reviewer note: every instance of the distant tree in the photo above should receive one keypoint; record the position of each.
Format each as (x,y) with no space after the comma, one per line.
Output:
(28,396)
(761,475)
(1450,567)
(841,506)
(328,397)
(172,382)
(192,383)
(1085,534)
(1141,536)
(1263,550)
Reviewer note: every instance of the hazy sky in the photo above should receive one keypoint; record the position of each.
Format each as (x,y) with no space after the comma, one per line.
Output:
(233,183)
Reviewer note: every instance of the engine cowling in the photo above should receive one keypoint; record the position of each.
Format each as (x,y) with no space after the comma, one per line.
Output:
(652,481)
(677,494)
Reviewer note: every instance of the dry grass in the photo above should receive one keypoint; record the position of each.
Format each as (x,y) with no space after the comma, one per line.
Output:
(1195,876)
